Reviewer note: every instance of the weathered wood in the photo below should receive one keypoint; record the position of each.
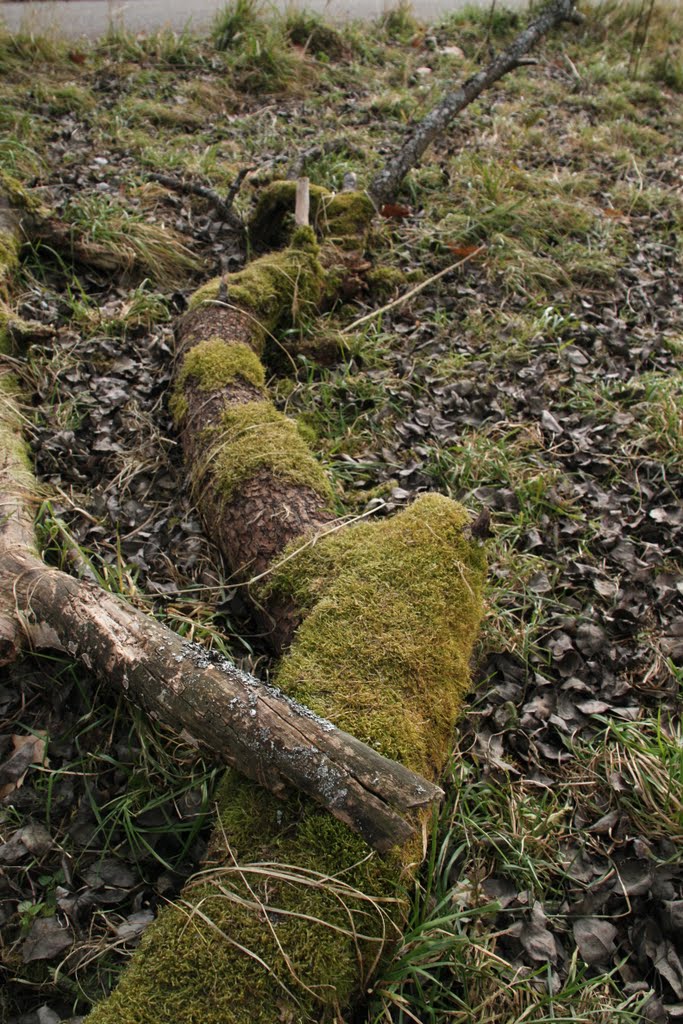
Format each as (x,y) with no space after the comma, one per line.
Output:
(386,183)
(246,724)
(303,203)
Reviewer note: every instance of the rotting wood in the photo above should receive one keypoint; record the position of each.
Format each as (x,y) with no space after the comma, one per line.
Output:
(239,720)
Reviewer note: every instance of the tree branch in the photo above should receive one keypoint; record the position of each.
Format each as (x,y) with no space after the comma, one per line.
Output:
(386,183)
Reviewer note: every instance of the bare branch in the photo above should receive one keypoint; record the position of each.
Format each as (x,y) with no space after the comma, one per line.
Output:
(386,184)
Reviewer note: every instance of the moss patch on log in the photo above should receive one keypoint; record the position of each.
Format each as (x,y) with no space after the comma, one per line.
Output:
(275,287)
(293,902)
(19,196)
(255,436)
(343,218)
(6,343)
(408,592)
(214,363)
(346,218)
(9,253)
(293,932)
(15,452)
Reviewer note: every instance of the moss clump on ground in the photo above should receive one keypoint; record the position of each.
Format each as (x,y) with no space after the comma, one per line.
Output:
(214,363)
(273,287)
(383,281)
(393,611)
(256,436)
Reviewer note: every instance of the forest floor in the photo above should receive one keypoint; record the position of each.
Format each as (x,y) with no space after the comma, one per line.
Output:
(541,380)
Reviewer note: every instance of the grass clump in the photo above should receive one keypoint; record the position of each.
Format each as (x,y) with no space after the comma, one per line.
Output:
(260,56)
(132,242)
(235,21)
(255,436)
(304,28)
(399,24)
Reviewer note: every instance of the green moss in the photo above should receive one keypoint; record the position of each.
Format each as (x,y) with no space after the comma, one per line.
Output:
(274,287)
(187,970)
(394,608)
(346,218)
(256,436)
(9,253)
(5,335)
(383,281)
(17,464)
(20,197)
(274,203)
(408,591)
(215,363)
(13,330)
(343,218)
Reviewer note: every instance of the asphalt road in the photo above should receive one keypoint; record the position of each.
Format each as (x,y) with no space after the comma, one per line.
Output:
(91,18)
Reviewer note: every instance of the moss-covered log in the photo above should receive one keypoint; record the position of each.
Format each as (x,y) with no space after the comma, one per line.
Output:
(293,913)
(257,484)
(239,720)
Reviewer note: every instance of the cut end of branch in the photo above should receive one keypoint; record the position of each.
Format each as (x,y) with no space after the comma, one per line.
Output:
(302,203)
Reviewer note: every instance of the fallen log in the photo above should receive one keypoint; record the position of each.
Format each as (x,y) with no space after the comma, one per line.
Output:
(293,912)
(381,618)
(245,724)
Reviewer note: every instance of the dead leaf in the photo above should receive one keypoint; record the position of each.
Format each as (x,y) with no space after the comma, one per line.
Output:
(47,939)
(395,211)
(595,939)
(463,251)
(28,750)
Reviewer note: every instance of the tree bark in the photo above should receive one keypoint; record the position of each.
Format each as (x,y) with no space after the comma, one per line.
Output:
(387,182)
(272,491)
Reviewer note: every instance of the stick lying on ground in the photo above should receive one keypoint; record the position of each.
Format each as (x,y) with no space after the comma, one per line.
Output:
(244,723)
